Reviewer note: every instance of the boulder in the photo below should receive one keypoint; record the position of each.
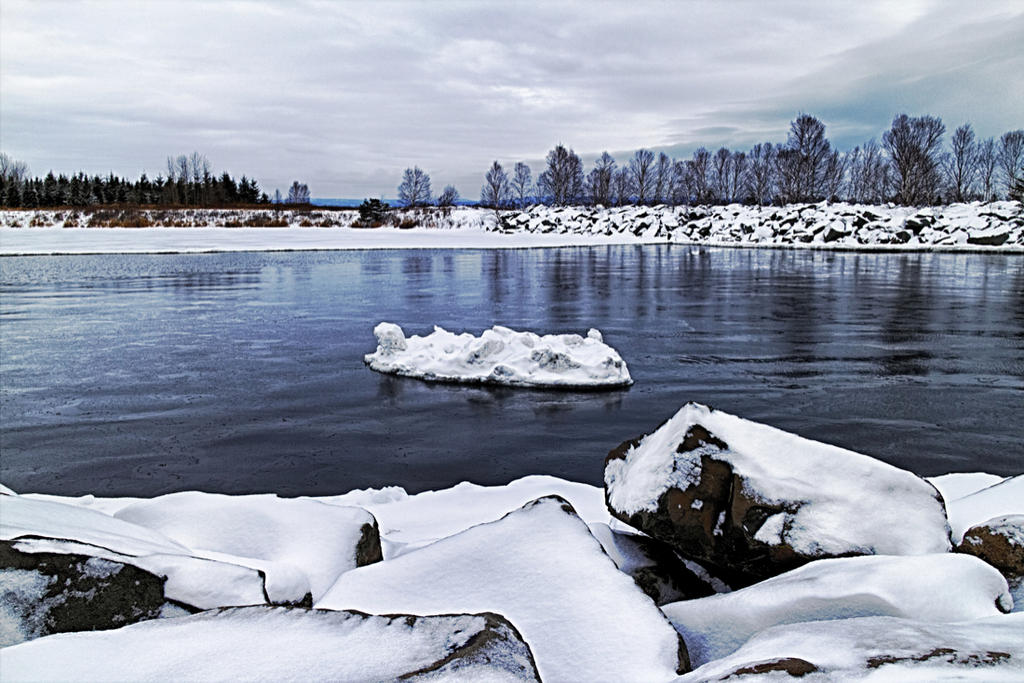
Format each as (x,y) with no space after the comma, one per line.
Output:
(993,237)
(934,588)
(300,545)
(44,593)
(878,648)
(278,643)
(999,541)
(752,501)
(540,567)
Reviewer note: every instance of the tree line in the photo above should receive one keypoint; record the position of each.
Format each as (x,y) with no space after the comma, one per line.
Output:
(189,181)
(910,166)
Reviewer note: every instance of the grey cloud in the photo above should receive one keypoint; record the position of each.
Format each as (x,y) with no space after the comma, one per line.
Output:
(345,95)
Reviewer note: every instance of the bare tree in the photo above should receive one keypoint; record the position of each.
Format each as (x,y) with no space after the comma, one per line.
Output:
(869,174)
(962,163)
(448,197)
(834,175)
(298,193)
(562,182)
(761,173)
(988,164)
(737,174)
(600,180)
(662,179)
(622,186)
(415,188)
(700,175)
(495,191)
(720,168)
(681,183)
(1011,158)
(521,183)
(801,164)
(914,145)
(641,169)
(12,170)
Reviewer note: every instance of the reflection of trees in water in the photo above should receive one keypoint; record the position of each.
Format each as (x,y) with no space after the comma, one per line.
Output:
(906,319)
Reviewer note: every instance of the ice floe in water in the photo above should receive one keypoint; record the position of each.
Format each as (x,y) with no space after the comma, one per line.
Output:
(500,356)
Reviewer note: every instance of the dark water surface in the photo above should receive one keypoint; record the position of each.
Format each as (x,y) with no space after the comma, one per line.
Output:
(144,374)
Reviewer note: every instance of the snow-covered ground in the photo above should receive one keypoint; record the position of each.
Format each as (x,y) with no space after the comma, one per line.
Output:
(533,577)
(997,226)
(500,356)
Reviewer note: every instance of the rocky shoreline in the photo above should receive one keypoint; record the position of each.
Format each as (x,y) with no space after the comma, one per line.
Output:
(821,226)
(718,548)
(974,227)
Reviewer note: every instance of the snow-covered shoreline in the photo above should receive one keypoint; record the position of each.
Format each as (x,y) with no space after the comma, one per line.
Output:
(555,580)
(976,227)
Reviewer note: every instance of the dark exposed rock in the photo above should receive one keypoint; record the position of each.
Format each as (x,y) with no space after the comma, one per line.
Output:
(832,234)
(947,655)
(497,646)
(993,239)
(998,542)
(44,593)
(368,548)
(794,666)
(653,565)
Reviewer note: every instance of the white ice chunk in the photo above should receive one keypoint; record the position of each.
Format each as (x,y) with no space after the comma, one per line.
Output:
(500,356)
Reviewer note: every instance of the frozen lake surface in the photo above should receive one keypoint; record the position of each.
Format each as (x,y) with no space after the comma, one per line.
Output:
(243,372)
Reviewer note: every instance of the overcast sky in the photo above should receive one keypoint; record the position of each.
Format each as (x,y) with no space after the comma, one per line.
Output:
(343,96)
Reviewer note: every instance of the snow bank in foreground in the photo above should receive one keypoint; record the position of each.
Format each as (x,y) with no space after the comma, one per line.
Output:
(878,649)
(542,569)
(933,588)
(280,644)
(500,356)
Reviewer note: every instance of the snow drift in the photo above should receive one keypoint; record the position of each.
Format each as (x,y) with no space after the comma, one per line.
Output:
(500,356)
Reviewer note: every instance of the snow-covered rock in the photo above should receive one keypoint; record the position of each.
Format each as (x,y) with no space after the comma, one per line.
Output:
(410,522)
(500,356)
(1000,542)
(755,501)
(877,649)
(542,569)
(931,588)
(282,644)
(22,516)
(301,545)
(47,526)
(1003,498)
(43,593)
